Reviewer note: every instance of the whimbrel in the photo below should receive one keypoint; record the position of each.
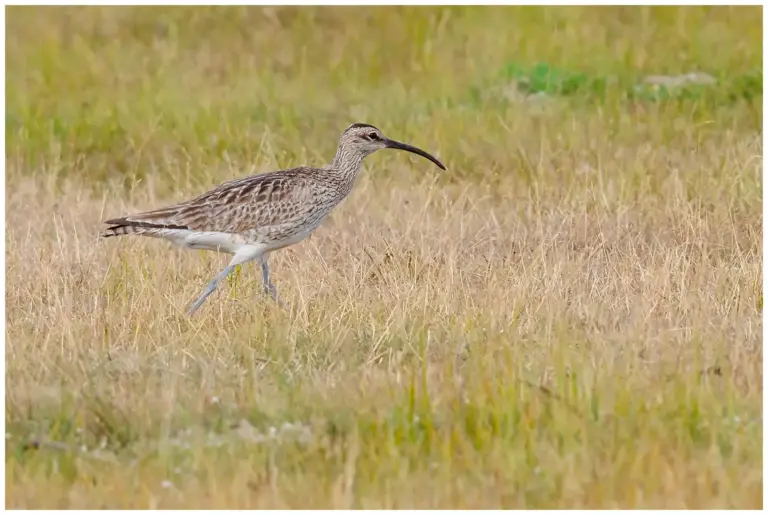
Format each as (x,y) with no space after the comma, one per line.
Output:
(256,215)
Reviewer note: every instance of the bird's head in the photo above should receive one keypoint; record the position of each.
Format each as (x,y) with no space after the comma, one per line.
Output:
(363,139)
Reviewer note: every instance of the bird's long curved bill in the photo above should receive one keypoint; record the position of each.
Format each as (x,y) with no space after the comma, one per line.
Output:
(402,146)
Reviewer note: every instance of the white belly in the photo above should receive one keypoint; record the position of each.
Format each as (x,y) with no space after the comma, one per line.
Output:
(270,238)
(208,240)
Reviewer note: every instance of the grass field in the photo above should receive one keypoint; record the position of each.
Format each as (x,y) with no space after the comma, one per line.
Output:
(570,316)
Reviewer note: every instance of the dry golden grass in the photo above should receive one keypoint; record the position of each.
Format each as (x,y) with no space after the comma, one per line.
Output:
(569,317)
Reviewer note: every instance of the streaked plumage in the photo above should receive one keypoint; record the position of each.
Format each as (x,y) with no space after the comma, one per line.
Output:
(255,215)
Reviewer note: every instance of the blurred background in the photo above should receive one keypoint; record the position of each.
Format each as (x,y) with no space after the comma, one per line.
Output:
(129,90)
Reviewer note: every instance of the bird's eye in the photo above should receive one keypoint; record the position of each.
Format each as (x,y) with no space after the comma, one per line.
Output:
(372,136)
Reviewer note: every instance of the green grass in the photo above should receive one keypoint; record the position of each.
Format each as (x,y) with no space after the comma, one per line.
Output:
(570,316)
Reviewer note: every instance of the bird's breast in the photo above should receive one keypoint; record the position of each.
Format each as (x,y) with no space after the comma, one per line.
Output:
(289,232)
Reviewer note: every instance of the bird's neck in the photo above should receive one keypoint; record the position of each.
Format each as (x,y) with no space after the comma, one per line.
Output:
(343,172)
(347,164)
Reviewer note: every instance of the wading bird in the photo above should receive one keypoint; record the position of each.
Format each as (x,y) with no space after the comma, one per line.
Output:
(256,215)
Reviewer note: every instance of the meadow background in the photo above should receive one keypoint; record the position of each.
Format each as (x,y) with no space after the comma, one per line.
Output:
(570,316)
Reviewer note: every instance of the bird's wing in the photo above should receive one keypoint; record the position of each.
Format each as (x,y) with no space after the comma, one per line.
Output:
(233,207)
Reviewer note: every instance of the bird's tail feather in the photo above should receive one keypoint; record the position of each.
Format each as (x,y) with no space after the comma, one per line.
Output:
(122,230)
(123,226)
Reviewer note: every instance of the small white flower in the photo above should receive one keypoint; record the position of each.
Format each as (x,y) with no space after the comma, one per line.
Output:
(166,484)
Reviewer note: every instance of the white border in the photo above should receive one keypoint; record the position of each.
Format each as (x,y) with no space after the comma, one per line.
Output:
(765,247)
(380,2)
(337,2)
(2,247)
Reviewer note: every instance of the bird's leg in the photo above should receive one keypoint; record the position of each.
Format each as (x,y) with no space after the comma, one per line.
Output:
(269,288)
(210,288)
(245,254)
